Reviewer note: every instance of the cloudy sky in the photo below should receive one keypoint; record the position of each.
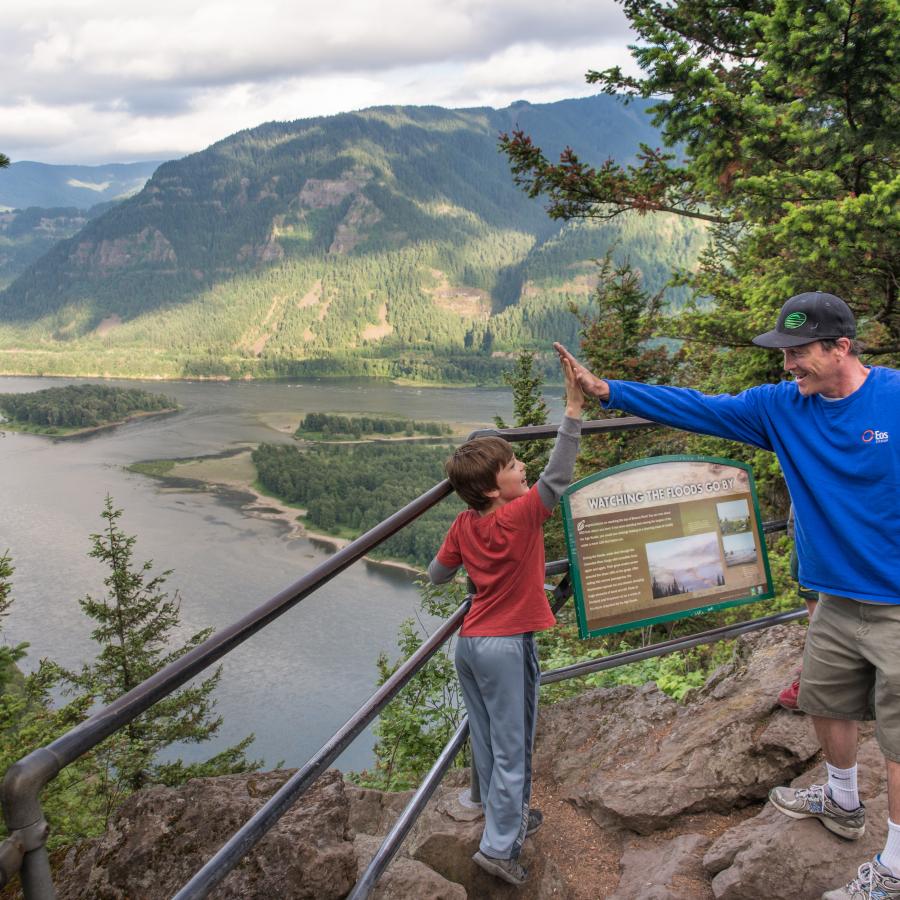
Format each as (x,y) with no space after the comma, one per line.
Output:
(94,81)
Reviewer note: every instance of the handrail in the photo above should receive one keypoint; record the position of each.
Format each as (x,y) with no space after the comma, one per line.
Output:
(391,844)
(26,778)
(255,828)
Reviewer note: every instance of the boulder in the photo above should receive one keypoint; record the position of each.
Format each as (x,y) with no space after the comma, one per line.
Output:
(405,878)
(772,855)
(636,759)
(447,835)
(161,836)
(663,871)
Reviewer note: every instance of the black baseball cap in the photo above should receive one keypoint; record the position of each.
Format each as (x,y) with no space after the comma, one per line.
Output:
(813,316)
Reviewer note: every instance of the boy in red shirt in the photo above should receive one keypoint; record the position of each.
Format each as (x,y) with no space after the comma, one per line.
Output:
(500,541)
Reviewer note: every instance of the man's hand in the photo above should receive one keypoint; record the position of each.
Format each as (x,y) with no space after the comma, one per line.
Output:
(588,382)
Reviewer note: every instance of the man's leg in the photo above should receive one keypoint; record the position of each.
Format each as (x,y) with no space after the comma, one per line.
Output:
(893,780)
(834,691)
(890,856)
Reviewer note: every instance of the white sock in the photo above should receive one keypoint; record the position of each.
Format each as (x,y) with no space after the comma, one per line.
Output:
(842,786)
(890,856)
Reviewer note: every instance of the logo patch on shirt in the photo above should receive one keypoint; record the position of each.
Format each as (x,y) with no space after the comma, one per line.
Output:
(874,435)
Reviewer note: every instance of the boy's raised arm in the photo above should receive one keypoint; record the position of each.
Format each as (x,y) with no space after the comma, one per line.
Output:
(557,475)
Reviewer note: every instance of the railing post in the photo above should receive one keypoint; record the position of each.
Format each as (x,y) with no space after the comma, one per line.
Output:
(475,784)
(25,820)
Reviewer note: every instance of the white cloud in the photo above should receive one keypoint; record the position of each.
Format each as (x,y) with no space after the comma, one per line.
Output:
(97,80)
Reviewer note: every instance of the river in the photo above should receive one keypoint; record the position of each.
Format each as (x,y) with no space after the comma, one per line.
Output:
(297,681)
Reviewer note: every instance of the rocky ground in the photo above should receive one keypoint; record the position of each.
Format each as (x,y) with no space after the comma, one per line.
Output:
(644,799)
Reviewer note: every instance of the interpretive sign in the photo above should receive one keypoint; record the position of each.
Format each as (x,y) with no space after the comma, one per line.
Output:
(661,539)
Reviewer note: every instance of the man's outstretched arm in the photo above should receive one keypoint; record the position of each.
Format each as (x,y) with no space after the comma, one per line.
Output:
(737,417)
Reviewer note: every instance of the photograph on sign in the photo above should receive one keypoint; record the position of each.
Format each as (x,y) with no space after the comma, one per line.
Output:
(663,538)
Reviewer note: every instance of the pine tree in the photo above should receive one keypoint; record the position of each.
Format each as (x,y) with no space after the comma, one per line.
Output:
(617,340)
(29,719)
(135,624)
(413,729)
(782,118)
(9,656)
(529,408)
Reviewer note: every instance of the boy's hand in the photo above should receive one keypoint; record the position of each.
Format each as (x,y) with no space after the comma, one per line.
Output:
(574,395)
(589,383)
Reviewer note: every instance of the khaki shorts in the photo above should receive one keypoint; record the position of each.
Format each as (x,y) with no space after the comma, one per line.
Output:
(851,666)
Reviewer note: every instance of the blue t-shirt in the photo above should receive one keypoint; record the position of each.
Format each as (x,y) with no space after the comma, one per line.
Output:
(841,462)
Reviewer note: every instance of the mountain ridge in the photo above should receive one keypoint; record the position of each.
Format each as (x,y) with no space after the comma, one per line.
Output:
(27,183)
(390,241)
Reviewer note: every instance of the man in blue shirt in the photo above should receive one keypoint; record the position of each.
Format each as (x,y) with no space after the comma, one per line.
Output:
(835,428)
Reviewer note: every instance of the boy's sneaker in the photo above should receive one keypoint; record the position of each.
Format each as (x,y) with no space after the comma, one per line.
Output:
(788,697)
(535,820)
(508,869)
(815,802)
(873,882)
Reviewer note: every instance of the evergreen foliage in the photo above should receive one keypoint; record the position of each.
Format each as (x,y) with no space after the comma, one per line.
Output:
(529,408)
(787,114)
(135,625)
(413,729)
(348,489)
(79,406)
(318,425)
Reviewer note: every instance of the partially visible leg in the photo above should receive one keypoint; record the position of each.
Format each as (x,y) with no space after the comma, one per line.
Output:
(479,720)
(890,856)
(893,780)
(839,738)
(509,695)
(879,636)
(834,691)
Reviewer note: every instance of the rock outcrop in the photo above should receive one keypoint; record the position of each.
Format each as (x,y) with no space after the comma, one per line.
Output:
(674,792)
(634,758)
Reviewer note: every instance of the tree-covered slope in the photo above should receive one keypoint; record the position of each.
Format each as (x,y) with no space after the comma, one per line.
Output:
(391,241)
(27,234)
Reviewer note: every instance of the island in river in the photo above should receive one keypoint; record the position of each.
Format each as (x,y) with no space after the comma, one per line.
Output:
(78,409)
(330,491)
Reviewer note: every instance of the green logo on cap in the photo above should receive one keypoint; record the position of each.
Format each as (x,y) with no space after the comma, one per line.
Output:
(794,320)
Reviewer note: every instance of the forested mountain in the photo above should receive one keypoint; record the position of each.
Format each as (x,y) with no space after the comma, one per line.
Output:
(27,234)
(391,241)
(26,184)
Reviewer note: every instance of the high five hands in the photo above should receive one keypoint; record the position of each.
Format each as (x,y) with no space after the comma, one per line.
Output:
(589,383)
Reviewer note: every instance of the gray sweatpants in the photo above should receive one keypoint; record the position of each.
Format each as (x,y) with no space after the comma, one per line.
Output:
(500,678)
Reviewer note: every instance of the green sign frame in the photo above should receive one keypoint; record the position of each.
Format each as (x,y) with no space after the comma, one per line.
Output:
(664,538)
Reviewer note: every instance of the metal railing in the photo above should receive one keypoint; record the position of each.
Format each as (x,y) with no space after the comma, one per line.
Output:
(24,850)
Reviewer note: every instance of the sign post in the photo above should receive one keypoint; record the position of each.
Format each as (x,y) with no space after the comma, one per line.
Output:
(662,539)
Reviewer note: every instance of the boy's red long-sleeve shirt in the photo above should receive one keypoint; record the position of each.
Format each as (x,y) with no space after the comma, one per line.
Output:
(503,554)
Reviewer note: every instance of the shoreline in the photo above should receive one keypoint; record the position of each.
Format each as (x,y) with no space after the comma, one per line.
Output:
(230,472)
(89,429)
(400,382)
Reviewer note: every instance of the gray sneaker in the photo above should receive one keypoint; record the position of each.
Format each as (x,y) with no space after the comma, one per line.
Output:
(873,882)
(535,820)
(508,869)
(815,802)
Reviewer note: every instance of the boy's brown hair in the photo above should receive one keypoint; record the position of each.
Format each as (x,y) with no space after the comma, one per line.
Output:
(473,469)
